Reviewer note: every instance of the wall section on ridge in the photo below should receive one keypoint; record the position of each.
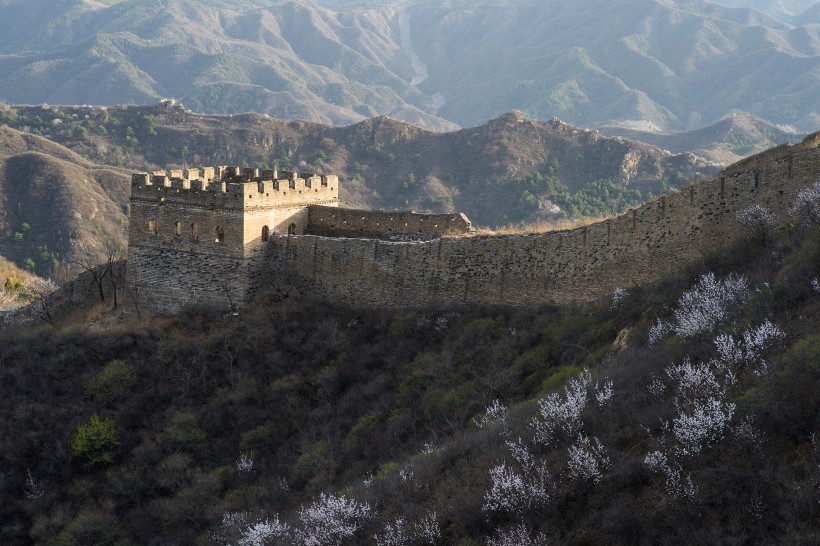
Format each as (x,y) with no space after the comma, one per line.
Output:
(640,246)
(399,225)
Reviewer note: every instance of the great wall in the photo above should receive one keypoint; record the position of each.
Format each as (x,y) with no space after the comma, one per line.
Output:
(214,236)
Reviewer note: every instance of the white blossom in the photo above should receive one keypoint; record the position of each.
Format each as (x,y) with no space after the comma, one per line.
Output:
(746,434)
(244,464)
(443,322)
(515,492)
(656,387)
(758,220)
(659,330)
(806,208)
(675,482)
(604,393)
(708,303)
(330,520)
(393,534)
(588,460)
(562,415)
(406,474)
(241,529)
(401,533)
(263,532)
(695,381)
(750,347)
(618,295)
(427,529)
(494,413)
(522,455)
(517,536)
(702,426)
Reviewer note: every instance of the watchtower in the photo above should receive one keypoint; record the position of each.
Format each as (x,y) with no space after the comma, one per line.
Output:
(197,235)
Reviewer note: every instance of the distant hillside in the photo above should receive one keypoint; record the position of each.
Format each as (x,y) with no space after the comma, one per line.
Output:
(504,171)
(56,206)
(661,65)
(782,9)
(810,16)
(725,142)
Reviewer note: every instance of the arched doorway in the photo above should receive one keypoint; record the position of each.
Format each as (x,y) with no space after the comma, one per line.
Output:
(292,229)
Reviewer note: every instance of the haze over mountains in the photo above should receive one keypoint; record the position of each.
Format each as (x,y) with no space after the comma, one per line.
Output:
(646,64)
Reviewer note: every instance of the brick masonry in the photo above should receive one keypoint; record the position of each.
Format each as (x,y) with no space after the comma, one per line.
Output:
(196,236)
(583,264)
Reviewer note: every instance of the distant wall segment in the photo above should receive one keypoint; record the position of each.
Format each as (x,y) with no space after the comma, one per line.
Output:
(340,222)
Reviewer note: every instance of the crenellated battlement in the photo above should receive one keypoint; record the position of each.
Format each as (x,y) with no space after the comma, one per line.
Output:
(231,187)
(196,234)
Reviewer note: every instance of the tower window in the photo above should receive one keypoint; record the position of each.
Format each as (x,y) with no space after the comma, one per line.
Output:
(265,233)
(292,229)
(220,234)
(152,227)
(194,232)
(178,228)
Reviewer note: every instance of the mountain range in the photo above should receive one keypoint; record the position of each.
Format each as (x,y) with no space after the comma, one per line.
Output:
(505,171)
(643,64)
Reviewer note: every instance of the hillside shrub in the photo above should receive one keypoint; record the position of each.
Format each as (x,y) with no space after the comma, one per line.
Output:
(92,527)
(183,431)
(113,382)
(795,390)
(95,441)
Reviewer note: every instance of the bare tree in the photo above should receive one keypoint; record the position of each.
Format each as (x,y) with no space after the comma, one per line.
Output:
(114,251)
(85,262)
(40,291)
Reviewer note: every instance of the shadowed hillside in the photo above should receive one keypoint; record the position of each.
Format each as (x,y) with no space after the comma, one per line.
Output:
(683,412)
(57,207)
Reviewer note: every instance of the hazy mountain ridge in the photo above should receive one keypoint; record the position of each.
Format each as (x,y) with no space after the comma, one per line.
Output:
(667,65)
(725,142)
(291,60)
(383,163)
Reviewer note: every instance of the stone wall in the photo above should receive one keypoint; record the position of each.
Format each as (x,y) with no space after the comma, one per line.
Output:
(338,222)
(639,246)
(195,236)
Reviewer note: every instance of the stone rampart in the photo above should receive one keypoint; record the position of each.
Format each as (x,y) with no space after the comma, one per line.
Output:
(196,235)
(340,222)
(640,246)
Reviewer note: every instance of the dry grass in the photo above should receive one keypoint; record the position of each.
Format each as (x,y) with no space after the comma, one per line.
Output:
(541,226)
(9,271)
